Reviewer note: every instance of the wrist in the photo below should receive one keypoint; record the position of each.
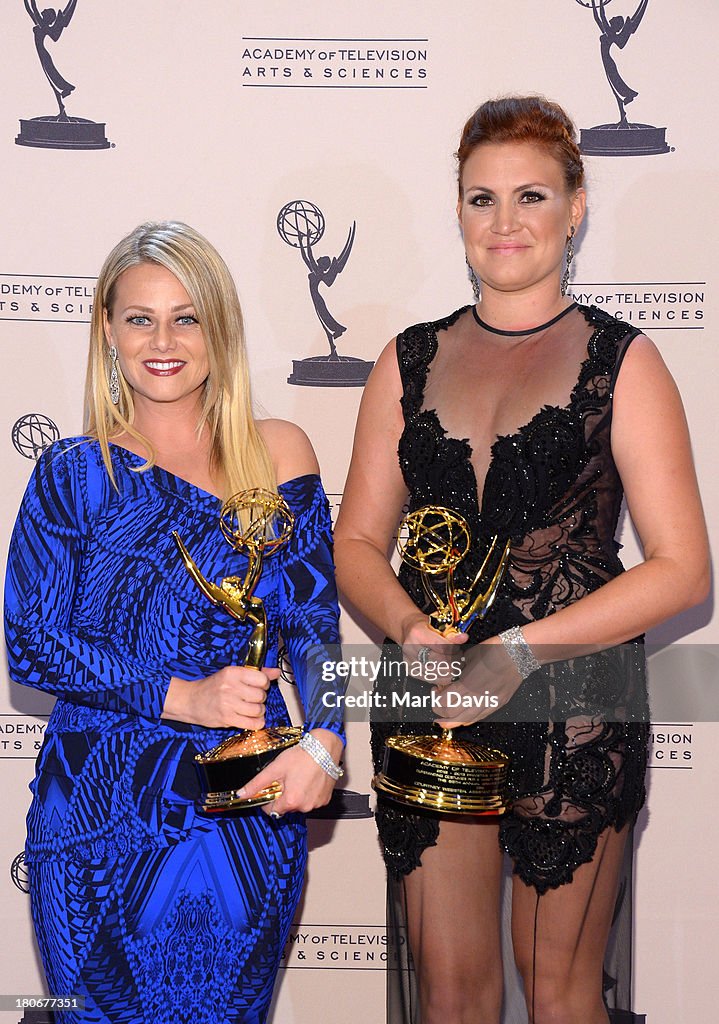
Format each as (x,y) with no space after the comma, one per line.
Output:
(522,655)
(331,741)
(409,623)
(179,700)
(316,749)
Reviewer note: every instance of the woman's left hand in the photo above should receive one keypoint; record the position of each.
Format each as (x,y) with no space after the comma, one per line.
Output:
(305,785)
(488,682)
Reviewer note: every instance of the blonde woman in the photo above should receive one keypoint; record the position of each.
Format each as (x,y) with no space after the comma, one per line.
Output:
(145,906)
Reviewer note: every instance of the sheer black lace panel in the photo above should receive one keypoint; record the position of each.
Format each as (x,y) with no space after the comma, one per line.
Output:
(514,433)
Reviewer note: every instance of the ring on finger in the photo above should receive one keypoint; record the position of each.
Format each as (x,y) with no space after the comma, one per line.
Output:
(423,655)
(275,815)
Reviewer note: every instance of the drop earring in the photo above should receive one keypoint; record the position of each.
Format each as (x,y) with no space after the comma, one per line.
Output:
(114,382)
(569,256)
(473,280)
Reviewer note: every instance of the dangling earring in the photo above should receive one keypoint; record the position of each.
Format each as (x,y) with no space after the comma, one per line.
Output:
(569,255)
(114,381)
(472,278)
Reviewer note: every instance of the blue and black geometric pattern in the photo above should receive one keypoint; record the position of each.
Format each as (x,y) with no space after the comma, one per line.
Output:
(151,909)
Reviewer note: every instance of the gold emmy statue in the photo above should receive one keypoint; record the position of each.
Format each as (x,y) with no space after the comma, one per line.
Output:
(439,772)
(256,522)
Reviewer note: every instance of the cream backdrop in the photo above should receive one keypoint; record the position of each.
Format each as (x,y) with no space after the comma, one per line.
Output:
(207,126)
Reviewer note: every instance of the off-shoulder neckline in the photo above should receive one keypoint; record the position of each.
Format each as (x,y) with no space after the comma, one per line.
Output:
(208,496)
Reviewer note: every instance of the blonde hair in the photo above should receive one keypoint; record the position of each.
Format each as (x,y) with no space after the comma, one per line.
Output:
(237,451)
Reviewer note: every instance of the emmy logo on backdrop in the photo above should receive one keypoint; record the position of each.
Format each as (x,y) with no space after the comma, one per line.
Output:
(57,131)
(625,138)
(18,873)
(33,433)
(301,225)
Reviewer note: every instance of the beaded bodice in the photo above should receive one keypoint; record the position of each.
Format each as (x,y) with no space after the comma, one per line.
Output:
(549,485)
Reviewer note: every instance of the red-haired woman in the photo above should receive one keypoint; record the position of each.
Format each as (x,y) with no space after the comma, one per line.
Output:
(530,416)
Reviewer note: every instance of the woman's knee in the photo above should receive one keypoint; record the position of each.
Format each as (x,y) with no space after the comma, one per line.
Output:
(454,1008)
(453,997)
(555,1001)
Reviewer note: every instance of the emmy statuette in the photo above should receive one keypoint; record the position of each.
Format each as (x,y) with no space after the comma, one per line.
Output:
(440,772)
(256,522)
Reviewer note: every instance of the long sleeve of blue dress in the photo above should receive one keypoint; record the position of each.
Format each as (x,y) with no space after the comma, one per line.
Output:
(308,603)
(42,582)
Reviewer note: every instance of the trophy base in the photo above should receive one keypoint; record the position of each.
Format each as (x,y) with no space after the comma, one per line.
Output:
(344,803)
(623,140)
(444,775)
(330,372)
(438,801)
(229,766)
(230,801)
(54,133)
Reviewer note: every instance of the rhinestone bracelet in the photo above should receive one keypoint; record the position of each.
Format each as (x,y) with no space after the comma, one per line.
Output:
(519,651)
(319,753)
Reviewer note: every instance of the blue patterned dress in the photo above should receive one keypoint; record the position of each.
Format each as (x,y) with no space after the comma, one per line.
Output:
(149,908)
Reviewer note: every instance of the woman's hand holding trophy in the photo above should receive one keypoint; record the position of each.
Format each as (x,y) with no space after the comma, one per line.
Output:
(256,522)
(441,772)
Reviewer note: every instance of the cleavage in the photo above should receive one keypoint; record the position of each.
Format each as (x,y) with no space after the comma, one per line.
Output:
(481,390)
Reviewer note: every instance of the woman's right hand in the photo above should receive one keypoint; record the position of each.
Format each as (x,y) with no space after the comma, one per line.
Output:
(423,644)
(233,698)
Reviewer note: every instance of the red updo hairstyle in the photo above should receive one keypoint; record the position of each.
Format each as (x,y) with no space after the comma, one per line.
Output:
(524,119)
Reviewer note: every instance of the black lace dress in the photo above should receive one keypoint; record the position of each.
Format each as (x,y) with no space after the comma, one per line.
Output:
(576,731)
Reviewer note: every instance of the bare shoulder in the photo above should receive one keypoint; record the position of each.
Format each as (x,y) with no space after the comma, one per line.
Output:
(385,373)
(642,356)
(290,449)
(648,420)
(383,390)
(643,374)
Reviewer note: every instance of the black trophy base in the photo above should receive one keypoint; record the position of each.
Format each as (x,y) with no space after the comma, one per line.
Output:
(330,372)
(623,140)
(62,133)
(344,803)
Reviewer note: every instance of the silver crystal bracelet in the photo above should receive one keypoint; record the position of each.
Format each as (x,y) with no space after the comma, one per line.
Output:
(319,753)
(519,651)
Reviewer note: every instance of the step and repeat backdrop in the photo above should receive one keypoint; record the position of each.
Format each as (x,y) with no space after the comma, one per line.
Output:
(313,144)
